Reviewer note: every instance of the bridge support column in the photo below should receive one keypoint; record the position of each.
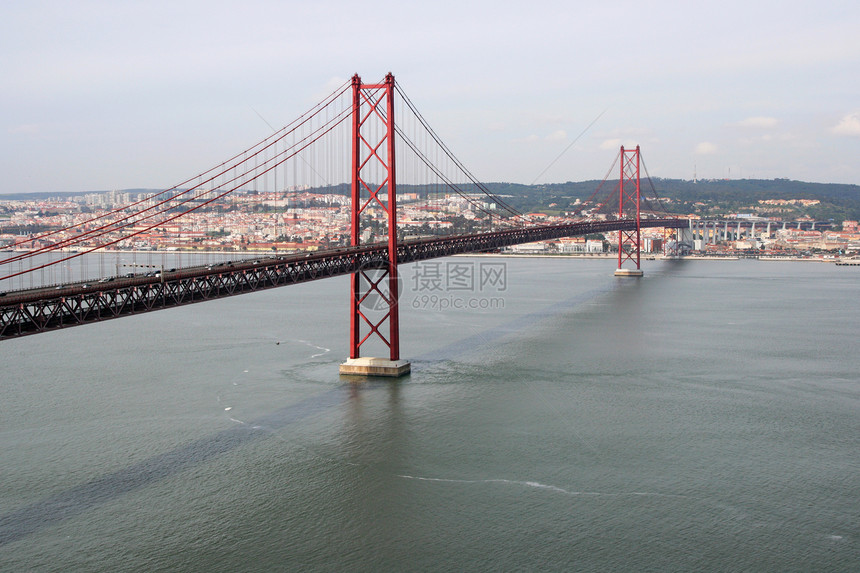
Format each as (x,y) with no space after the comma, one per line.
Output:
(628,196)
(374,290)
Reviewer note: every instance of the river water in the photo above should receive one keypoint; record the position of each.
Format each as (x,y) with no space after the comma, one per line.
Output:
(703,418)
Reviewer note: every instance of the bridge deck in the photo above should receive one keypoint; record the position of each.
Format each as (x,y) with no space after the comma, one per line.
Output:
(39,310)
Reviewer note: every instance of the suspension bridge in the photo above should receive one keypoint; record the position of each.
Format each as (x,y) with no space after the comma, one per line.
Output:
(347,144)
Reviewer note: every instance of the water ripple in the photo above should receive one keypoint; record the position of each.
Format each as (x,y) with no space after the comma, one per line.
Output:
(538,485)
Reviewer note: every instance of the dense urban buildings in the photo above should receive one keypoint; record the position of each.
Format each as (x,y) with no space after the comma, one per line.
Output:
(300,219)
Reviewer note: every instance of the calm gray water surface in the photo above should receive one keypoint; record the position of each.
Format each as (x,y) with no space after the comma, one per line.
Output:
(706,418)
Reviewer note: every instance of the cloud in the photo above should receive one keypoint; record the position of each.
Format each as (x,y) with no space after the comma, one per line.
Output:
(332,84)
(27,129)
(847,126)
(706,148)
(629,137)
(768,138)
(559,135)
(758,122)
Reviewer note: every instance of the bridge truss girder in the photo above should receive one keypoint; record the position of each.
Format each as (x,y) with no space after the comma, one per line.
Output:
(43,310)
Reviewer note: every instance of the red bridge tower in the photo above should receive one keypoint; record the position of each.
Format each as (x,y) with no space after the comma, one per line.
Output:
(628,198)
(374,290)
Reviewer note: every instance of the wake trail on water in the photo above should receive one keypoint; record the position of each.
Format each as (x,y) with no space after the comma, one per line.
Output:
(547,487)
(324,350)
(306,343)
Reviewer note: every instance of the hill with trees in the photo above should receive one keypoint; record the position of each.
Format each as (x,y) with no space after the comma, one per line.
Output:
(673,196)
(707,197)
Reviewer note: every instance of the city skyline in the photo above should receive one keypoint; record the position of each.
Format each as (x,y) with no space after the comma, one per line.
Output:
(107,96)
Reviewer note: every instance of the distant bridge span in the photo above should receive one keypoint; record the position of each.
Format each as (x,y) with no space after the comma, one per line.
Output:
(40,310)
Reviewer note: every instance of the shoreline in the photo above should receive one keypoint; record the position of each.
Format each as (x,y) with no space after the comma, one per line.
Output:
(841,261)
(846,261)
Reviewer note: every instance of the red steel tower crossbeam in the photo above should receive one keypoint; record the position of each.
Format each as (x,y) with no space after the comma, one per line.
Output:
(373,107)
(628,200)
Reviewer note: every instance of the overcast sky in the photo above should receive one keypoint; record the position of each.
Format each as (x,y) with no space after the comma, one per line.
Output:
(101,95)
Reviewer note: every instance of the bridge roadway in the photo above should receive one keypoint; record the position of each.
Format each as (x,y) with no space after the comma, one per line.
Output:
(39,310)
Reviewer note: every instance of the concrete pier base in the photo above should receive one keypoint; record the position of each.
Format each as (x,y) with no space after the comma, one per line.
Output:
(628,272)
(375,367)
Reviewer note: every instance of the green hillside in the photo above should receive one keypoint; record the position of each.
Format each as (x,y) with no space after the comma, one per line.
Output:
(714,197)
